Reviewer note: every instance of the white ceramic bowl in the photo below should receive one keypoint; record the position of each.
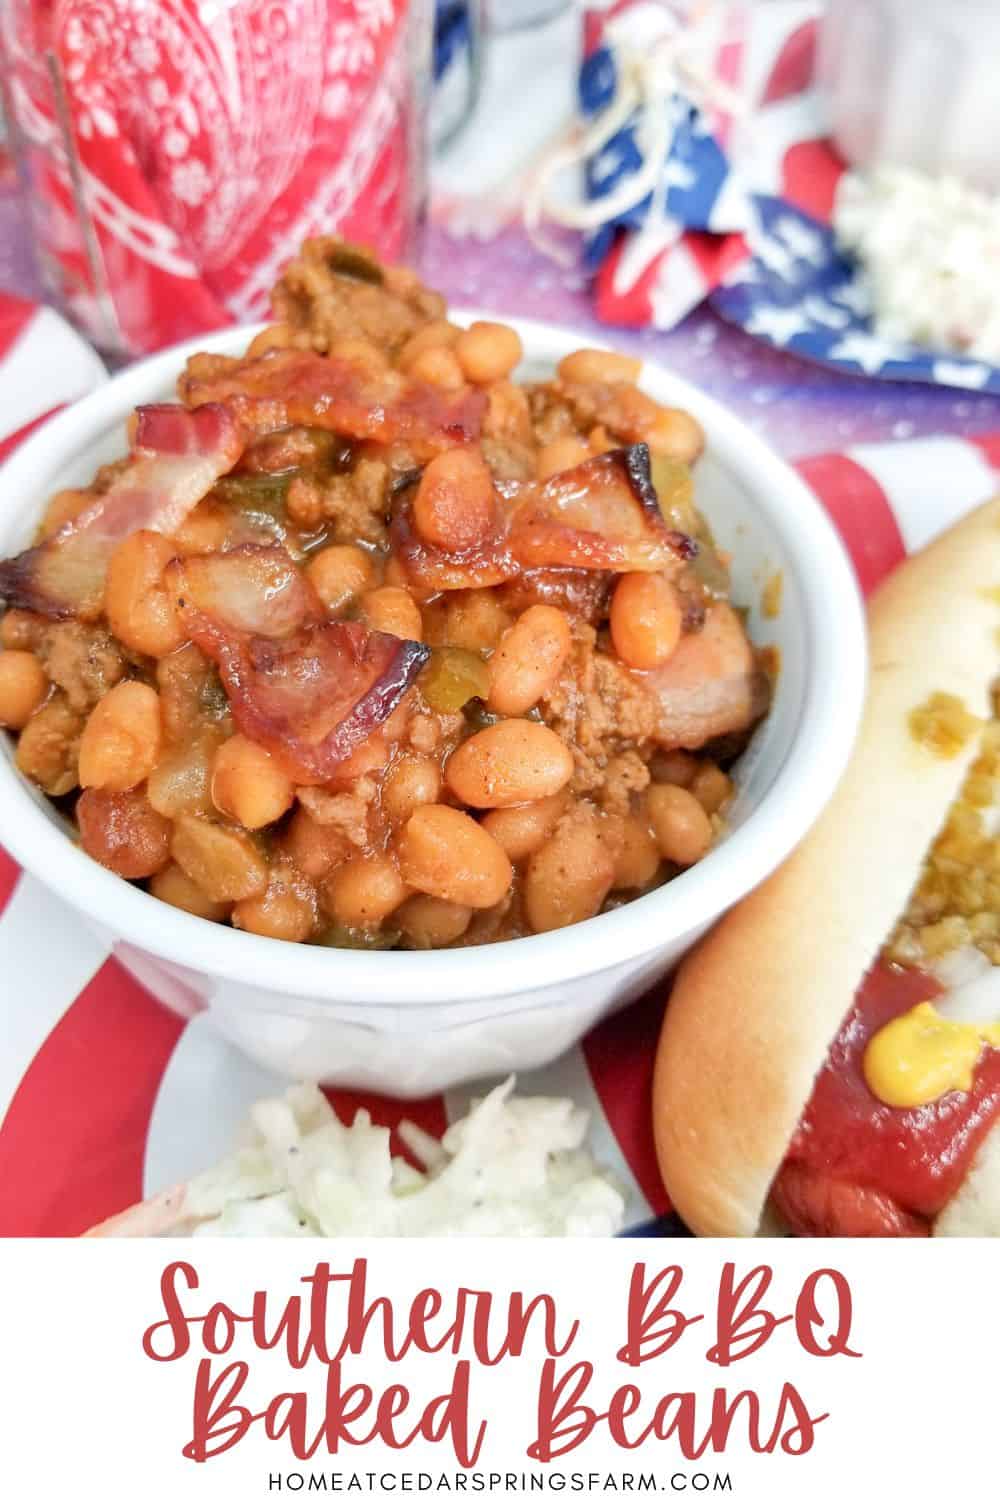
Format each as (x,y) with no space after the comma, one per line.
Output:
(410,1023)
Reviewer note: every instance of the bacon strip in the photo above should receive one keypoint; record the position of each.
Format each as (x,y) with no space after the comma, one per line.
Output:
(177,457)
(309,689)
(249,590)
(602,516)
(295,387)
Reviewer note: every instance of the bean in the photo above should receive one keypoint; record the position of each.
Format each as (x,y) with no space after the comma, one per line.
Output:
(436,335)
(514,761)
(315,847)
(668,430)
(521,830)
(225,862)
(561,454)
(121,738)
(711,786)
(277,336)
(20,630)
(678,767)
(206,529)
(646,620)
(680,824)
(49,746)
(370,756)
(638,855)
(488,352)
(363,892)
(286,909)
(392,610)
(599,367)
(438,367)
(397,723)
(429,922)
(361,353)
(23,686)
(474,619)
(445,853)
(248,785)
(64,506)
(425,733)
(677,434)
(172,885)
(567,879)
(455,504)
(339,575)
(140,611)
(122,832)
(528,660)
(410,782)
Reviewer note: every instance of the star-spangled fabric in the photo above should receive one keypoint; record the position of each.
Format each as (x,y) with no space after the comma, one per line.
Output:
(782,279)
(657,260)
(701,191)
(797,292)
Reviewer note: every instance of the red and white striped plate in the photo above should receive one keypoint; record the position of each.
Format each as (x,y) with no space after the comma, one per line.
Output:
(106,1097)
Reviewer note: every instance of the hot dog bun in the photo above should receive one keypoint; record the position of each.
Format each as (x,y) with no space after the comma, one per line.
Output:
(757,1005)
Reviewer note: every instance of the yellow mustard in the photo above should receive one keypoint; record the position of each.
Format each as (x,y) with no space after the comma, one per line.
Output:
(920,1056)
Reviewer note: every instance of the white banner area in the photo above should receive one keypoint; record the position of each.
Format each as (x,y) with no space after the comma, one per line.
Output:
(261,1368)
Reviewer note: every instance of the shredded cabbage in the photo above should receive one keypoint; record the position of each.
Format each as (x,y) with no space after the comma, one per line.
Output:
(930,250)
(511,1166)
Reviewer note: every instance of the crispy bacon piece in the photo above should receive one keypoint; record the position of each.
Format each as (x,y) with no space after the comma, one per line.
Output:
(816,1203)
(574,590)
(252,590)
(309,689)
(710,686)
(177,457)
(602,516)
(295,387)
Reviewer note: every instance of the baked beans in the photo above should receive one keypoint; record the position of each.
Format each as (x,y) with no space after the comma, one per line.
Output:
(387,682)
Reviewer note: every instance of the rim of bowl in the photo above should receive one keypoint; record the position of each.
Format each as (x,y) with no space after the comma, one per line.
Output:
(821,744)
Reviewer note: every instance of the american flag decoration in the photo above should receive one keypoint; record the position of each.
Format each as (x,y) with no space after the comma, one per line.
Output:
(108,1095)
(739,208)
(671,210)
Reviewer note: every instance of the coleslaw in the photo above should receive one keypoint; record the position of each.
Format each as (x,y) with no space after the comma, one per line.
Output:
(511,1166)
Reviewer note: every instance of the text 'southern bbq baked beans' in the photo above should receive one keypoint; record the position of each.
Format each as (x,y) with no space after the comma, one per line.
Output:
(364,644)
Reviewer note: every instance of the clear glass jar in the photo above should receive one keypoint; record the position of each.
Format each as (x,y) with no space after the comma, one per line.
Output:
(915,83)
(175,155)
(510,15)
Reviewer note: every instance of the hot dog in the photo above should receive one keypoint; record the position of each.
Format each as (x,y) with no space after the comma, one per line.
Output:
(829,1061)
